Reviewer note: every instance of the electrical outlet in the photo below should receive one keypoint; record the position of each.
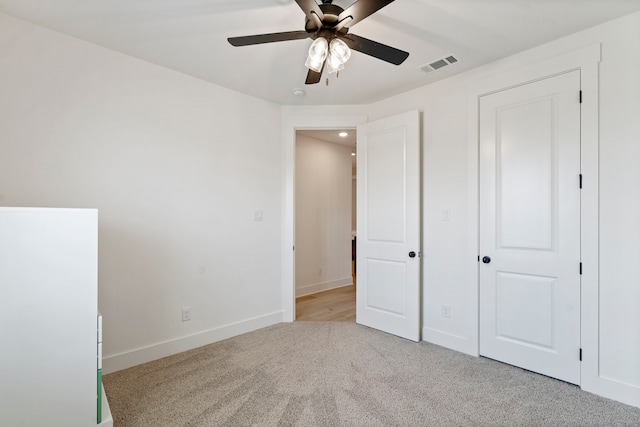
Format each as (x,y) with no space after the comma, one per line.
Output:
(186,314)
(446,311)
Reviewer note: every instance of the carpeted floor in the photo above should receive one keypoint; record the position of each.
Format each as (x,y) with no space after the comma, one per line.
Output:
(343,374)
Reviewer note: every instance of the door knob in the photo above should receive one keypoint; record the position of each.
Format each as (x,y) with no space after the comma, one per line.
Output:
(486,259)
(412,254)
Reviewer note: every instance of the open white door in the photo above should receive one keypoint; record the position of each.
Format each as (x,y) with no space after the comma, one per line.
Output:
(530,226)
(388,252)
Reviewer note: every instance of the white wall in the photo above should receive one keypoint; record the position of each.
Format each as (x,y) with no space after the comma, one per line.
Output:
(620,204)
(323,215)
(176,167)
(447,279)
(446,178)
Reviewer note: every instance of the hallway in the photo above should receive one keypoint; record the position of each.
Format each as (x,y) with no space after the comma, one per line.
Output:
(333,305)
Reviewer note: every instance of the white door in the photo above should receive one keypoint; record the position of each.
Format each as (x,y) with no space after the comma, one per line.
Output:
(388,252)
(530,226)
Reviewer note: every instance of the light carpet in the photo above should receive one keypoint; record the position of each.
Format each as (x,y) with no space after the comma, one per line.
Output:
(343,374)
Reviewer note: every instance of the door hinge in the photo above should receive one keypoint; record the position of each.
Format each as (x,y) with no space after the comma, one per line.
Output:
(581,355)
(580,97)
(580,181)
(478,258)
(580,268)
(294,248)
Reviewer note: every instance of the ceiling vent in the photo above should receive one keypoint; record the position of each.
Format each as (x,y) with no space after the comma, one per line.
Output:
(440,63)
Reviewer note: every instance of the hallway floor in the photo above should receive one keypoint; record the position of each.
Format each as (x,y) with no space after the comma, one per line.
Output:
(333,305)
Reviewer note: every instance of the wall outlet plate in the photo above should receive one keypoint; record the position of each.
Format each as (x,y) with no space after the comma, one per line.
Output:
(186,314)
(446,311)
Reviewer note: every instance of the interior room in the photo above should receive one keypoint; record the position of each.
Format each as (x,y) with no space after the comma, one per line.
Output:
(496,210)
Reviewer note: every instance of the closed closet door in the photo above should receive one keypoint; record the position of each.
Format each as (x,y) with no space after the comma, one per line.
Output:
(530,226)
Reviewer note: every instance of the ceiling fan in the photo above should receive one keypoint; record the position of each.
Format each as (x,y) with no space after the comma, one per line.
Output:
(328,25)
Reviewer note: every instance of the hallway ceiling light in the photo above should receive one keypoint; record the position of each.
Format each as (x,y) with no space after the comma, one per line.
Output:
(343,134)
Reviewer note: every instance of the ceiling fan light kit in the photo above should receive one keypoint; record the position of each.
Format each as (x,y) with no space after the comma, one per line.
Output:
(328,25)
(317,54)
(339,54)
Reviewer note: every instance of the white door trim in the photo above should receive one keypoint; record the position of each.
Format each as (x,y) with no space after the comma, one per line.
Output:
(289,127)
(587,61)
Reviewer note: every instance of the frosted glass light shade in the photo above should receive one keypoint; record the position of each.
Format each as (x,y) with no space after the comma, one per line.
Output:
(339,53)
(317,54)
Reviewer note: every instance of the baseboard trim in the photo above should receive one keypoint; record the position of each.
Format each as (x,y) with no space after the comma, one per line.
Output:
(321,287)
(128,359)
(628,394)
(450,341)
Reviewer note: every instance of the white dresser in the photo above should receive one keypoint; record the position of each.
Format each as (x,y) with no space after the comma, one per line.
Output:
(49,318)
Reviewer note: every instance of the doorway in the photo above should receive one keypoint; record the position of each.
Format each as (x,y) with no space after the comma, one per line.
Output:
(324,224)
(291,125)
(388,173)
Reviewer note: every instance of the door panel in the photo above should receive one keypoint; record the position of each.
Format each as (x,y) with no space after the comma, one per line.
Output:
(525,309)
(388,291)
(526,171)
(387,286)
(530,226)
(385,163)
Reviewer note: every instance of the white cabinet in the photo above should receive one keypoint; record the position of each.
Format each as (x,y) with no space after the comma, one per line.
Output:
(48,315)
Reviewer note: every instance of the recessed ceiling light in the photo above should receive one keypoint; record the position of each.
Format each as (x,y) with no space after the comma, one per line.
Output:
(298,92)
(343,134)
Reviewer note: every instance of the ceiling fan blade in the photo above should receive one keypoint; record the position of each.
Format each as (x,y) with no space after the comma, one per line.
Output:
(314,77)
(361,9)
(268,38)
(375,49)
(309,6)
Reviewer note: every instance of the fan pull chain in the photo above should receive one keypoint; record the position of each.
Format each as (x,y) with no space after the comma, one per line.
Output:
(337,77)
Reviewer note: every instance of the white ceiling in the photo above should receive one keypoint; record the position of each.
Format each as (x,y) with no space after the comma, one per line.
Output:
(332,136)
(190,36)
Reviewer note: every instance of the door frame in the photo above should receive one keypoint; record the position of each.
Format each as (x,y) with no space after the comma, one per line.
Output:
(289,127)
(587,61)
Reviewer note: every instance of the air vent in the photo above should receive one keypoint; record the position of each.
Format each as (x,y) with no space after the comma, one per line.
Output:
(439,64)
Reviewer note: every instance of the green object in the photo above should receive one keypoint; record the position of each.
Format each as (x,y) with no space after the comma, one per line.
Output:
(99,396)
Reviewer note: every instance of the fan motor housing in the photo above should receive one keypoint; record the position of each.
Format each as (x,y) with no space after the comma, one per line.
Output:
(331,13)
